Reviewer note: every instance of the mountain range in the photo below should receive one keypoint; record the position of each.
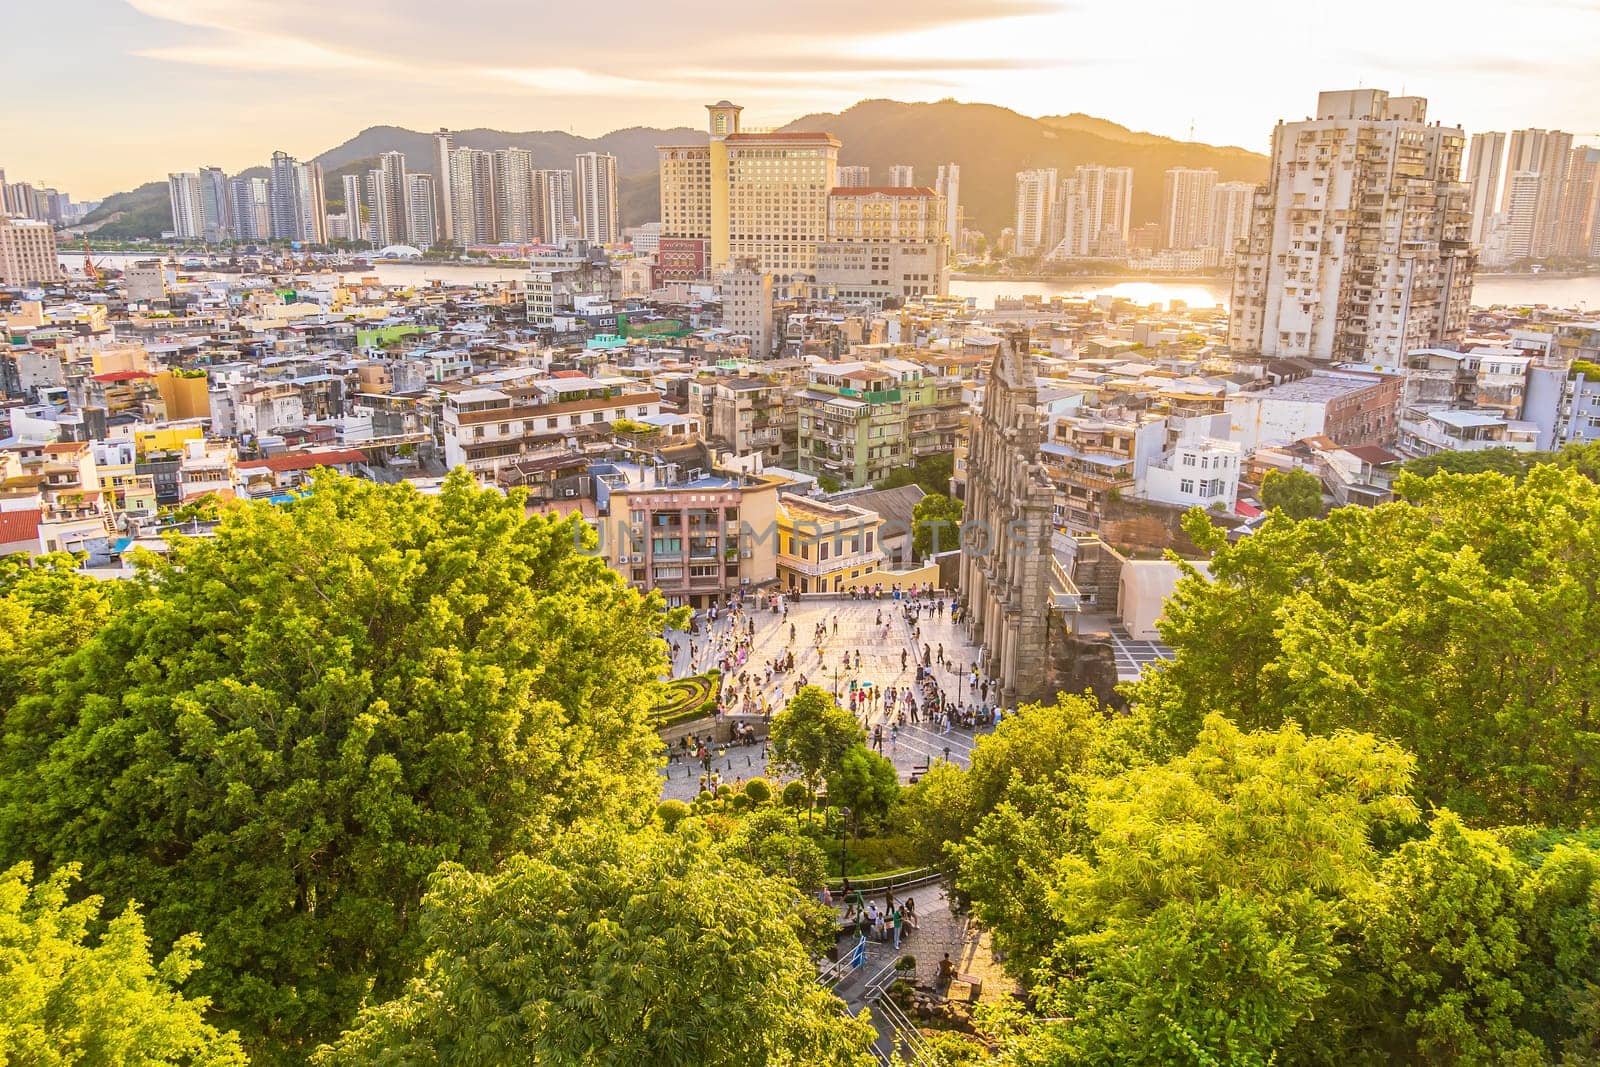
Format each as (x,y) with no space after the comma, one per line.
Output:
(990,143)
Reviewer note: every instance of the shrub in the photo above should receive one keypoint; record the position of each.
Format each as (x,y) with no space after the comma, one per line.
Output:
(796,795)
(671,813)
(705,797)
(741,801)
(758,790)
(724,792)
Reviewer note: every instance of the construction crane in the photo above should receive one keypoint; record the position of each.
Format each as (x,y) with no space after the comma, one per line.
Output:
(90,271)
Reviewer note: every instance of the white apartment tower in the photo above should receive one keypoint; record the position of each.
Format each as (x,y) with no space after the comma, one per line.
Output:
(596,187)
(1092,213)
(1186,207)
(421,228)
(27,251)
(444,147)
(390,214)
(1230,216)
(360,226)
(1546,153)
(555,205)
(183,190)
(513,179)
(902,176)
(216,215)
(1359,245)
(1036,206)
(948,186)
(853,178)
(250,208)
(1523,190)
(1483,176)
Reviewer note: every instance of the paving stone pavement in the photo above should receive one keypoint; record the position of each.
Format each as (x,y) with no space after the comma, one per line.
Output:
(861,630)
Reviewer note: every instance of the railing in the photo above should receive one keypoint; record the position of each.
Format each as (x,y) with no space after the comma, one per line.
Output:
(905,1033)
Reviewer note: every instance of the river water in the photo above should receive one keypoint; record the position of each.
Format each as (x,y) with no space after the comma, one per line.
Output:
(1487,291)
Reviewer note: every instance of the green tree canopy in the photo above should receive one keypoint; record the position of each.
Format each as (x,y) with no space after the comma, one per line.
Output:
(1460,621)
(866,783)
(67,997)
(47,610)
(811,735)
(935,516)
(1295,493)
(649,949)
(932,473)
(287,727)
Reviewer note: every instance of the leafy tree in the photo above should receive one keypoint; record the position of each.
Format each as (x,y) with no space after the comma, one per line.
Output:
(1511,463)
(1430,621)
(65,999)
(289,726)
(612,950)
(810,737)
(47,610)
(1295,493)
(767,840)
(932,473)
(866,783)
(935,516)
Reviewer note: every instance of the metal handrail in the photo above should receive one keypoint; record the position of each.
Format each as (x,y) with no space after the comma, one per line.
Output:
(905,1032)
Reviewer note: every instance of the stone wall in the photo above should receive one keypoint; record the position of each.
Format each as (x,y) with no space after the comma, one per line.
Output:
(1081,662)
(1141,529)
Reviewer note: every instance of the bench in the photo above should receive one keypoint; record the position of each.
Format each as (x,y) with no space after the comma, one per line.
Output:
(918,770)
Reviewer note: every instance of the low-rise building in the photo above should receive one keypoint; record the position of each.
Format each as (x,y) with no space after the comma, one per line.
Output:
(824,546)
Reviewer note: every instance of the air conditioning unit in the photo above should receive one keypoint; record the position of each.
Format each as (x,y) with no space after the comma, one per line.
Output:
(747,553)
(569,492)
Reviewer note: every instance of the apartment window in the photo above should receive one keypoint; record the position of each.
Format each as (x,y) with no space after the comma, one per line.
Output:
(823,552)
(1186,485)
(1188,459)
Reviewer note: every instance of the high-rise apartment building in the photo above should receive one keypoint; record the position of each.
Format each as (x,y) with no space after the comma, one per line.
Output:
(1092,213)
(595,177)
(853,178)
(284,197)
(1578,229)
(902,176)
(1359,246)
(472,196)
(360,226)
(750,196)
(390,211)
(312,203)
(421,228)
(1036,207)
(444,146)
(27,252)
(251,208)
(513,189)
(555,205)
(1523,190)
(1483,176)
(183,190)
(216,215)
(948,186)
(1186,207)
(1230,216)
(1547,154)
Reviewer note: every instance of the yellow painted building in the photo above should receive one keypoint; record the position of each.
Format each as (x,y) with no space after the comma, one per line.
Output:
(825,548)
(760,197)
(165,438)
(186,395)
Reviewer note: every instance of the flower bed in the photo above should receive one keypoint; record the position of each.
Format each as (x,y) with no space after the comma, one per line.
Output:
(685,699)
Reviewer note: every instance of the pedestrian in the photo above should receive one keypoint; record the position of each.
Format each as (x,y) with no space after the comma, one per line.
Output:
(899,921)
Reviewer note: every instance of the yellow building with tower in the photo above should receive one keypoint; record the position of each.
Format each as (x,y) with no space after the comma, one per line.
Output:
(755,198)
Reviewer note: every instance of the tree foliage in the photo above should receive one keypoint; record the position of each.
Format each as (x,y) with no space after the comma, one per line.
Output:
(1432,620)
(811,735)
(286,728)
(866,783)
(612,950)
(932,473)
(1296,493)
(935,517)
(67,997)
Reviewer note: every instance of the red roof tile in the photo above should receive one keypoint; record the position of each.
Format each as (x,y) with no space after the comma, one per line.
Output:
(18,526)
(121,376)
(304,461)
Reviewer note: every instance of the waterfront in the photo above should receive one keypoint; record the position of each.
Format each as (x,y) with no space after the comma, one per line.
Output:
(1488,290)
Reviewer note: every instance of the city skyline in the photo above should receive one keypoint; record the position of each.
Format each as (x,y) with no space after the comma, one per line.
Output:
(253,77)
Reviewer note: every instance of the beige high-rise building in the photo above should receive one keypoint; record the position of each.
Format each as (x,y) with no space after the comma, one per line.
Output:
(1092,213)
(472,196)
(761,197)
(555,207)
(854,177)
(1230,216)
(1186,207)
(948,185)
(902,176)
(1359,242)
(1483,175)
(358,226)
(1578,233)
(27,252)
(1521,213)
(390,213)
(421,227)
(1036,207)
(444,146)
(595,183)
(884,243)
(1547,154)
(513,190)
(183,191)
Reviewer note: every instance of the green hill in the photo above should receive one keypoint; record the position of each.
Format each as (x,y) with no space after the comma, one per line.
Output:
(992,143)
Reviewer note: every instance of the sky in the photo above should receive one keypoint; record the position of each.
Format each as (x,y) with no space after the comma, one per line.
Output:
(103,95)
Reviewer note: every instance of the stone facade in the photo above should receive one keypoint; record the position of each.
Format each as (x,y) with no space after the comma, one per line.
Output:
(1006,557)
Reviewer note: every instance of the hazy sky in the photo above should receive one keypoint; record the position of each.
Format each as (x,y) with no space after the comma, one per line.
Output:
(100,95)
